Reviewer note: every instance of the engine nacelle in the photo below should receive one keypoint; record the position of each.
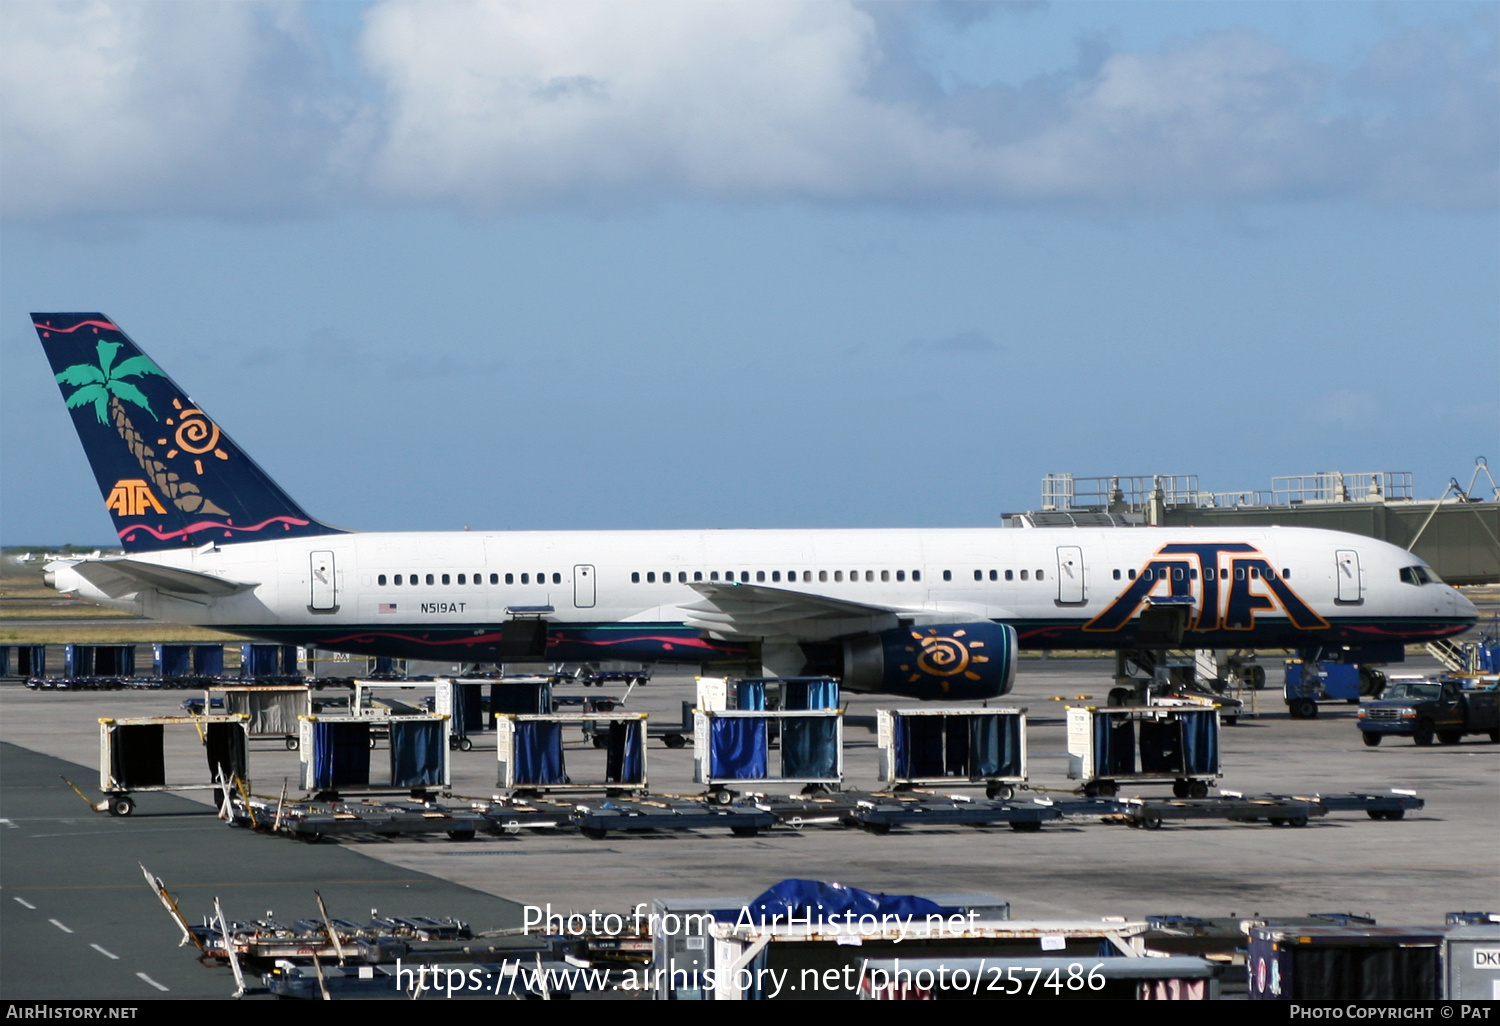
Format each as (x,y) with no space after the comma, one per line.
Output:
(951,661)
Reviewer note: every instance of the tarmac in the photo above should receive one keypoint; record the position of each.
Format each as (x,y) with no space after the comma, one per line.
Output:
(70,885)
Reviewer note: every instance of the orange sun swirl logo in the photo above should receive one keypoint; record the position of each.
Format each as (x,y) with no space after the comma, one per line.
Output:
(943,657)
(196,433)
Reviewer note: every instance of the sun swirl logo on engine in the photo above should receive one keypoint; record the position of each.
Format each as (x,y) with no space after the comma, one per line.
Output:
(940,655)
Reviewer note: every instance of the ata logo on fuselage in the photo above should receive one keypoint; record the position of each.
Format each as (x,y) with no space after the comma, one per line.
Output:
(132,498)
(1229,583)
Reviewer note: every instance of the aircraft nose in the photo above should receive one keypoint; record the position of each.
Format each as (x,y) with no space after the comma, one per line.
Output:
(1463,607)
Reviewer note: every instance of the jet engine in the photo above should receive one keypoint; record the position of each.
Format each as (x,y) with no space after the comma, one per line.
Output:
(951,661)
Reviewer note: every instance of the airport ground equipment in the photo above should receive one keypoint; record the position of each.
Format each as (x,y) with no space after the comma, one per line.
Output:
(132,756)
(1012,977)
(947,746)
(1423,710)
(521,696)
(268,663)
(463,700)
(819,935)
(1337,963)
(879,813)
(312,820)
(335,755)
(188,664)
(1144,745)
(732,749)
(1471,963)
(1308,683)
(669,812)
(30,662)
(531,752)
(98,662)
(273,710)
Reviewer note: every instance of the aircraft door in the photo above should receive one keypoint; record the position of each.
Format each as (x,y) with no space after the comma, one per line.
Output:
(1070,590)
(1347,570)
(583,586)
(324,587)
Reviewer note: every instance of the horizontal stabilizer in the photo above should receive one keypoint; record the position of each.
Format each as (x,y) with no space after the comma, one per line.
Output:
(118,577)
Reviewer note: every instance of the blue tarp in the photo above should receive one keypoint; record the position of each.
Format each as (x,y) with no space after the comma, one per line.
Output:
(750,695)
(208,660)
(341,754)
(737,748)
(172,660)
(539,754)
(416,753)
(809,748)
(804,898)
(623,765)
(468,709)
(810,693)
(972,747)
(1114,744)
(1200,743)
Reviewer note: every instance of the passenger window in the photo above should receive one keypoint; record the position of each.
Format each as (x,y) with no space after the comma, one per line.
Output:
(509,578)
(947,575)
(885,575)
(1010,575)
(1117,575)
(1176,573)
(381,580)
(557,578)
(1208,573)
(697,575)
(460,578)
(1239,573)
(713,575)
(1192,575)
(760,575)
(838,575)
(807,576)
(650,578)
(916,575)
(900,575)
(1039,575)
(978,575)
(682,577)
(822,575)
(994,575)
(1255,573)
(1130,574)
(1025,575)
(775,576)
(1285,573)
(526,578)
(445,579)
(429,578)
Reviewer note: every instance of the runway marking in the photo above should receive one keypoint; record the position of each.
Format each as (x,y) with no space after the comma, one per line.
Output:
(26,903)
(106,954)
(60,926)
(152,982)
(7,823)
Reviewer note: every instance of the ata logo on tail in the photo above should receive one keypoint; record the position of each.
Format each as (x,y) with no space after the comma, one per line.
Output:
(132,498)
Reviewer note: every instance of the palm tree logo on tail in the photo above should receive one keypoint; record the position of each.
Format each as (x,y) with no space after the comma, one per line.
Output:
(105,386)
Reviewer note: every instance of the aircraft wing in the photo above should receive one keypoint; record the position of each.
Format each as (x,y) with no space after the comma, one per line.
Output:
(754,611)
(118,577)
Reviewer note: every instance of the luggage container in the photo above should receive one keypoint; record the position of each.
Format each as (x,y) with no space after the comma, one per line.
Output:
(31,661)
(1471,963)
(520,696)
(260,662)
(133,756)
(1307,684)
(336,760)
(1332,963)
(273,710)
(947,746)
(531,757)
(732,748)
(463,700)
(98,662)
(173,663)
(1144,744)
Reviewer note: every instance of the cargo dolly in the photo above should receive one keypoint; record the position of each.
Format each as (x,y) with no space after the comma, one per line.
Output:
(669,812)
(879,813)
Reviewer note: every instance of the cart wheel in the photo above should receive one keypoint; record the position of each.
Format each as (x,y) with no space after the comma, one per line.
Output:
(310,838)
(1120,696)
(593,833)
(1230,721)
(744,831)
(372,740)
(604,705)
(1198,789)
(1107,788)
(722,797)
(878,829)
(1371,740)
(1002,791)
(465,745)
(1026,826)
(1150,820)
(460,835)
(1181,788)
(675,741)
(292,744)
(1297,821)
(121,805)
(1276,821)
(600,741)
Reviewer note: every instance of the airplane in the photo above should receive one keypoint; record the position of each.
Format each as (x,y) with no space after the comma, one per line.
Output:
(210,540)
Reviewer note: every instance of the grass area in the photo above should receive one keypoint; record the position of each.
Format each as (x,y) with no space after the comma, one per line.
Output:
(136,633)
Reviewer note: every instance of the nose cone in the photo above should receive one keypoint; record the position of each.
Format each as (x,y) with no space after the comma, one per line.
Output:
(1463,608)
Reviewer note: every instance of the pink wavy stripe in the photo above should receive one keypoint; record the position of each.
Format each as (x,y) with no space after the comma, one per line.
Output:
(365,636)
(684,642)
(80,324)
(204,525)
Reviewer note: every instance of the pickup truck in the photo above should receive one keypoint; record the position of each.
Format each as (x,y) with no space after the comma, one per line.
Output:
(1427,709)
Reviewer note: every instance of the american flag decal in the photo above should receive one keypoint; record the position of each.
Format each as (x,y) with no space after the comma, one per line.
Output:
(387,607)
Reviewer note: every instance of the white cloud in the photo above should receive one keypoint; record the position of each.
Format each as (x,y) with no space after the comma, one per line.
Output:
(225,108)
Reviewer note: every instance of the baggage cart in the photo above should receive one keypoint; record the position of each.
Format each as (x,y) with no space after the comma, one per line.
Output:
(133,757)
(1144,745)
(934,746)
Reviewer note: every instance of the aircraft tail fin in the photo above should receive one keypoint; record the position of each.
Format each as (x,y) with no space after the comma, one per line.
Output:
(169,475)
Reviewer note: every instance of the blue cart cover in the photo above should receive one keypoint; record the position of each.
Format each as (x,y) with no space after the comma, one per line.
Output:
(539,754)
(1161,746)
(737,748)
(416,753)
(208,660)
(1200,742)
(1114,744)
(623,761)
(994,746)
(809,748)
(172,660)
(341,754)
(750,695)
(816,693)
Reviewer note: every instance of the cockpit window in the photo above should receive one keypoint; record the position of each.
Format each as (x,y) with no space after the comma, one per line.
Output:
(1418,575)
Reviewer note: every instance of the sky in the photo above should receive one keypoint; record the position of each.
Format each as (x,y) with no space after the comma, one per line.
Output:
(758,264)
